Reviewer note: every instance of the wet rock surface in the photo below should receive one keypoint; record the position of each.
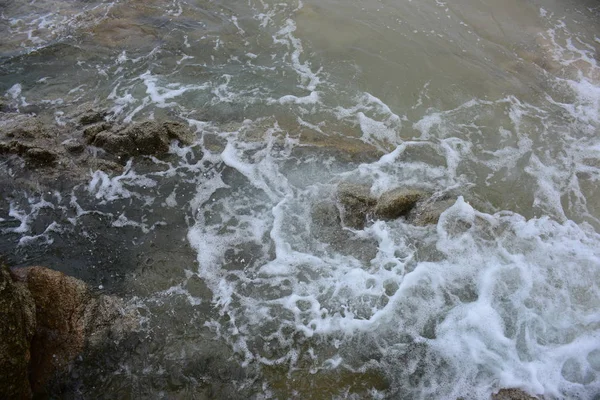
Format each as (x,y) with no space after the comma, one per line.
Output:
(92,117)
(146,138)
(17,316)
(356,202)
(61,152)
(52,318)
(428,212)
(327,227)
(397,202)
(59,302)
(418,207)
(512,394)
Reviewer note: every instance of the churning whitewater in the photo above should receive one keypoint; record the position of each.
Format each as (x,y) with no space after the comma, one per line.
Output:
(253,275)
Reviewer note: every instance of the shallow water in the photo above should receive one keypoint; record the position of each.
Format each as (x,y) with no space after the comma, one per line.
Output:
(246,285)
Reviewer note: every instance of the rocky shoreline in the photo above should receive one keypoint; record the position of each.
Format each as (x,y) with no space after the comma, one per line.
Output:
(52,318)
(88,141)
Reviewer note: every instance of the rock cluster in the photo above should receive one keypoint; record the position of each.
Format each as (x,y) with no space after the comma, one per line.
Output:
(358,206)
(146,138)
(50,318)
(61,150)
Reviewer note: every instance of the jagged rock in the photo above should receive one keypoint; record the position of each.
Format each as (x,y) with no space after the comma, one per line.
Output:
(105,165)
(59,338)
(92,117)
(68,317)
(27,137)
(356,203)
(429,211)
(74,146)
(104,317)
(397,202)
(23,127)
(33,155)
(91,131)
(326,226)
(17,326)
(40,157)
(512,394)
(146,138)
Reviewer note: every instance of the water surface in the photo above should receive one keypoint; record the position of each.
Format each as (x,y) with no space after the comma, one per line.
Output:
(247,287)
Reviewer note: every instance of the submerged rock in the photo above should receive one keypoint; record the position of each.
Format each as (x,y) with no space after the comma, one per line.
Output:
(33,155)
(397,202)
(73,146)
(357,205)
(17,316)
(145,138)
(91,131)
(356,202)
(512,394)
(326,226)
(92,117)
(429,211)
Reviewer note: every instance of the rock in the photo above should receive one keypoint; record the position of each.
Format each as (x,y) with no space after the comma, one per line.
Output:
(114,143)
(512,394)
(92,117)
(68,317)
(74,146)
(178,131)
(27,137)
(146,138)
(356,203)
(33,155)
(105,317)
(397,202)
(105,165)
(428,212)
(37,156)
(59,338)
(93,130)
(24,127)
(326,226)
(17,313)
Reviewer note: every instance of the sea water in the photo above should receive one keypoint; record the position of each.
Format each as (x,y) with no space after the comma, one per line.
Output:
(247,284)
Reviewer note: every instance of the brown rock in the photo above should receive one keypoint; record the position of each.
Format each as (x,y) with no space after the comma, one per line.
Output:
(17,316)
(93,130)
(356,202)
(428,212)
(146,138)
(38,156)
(92,117)
(512,394)
(33,155)
(114,143)
(73,146)
(68,318)
(60,302)
(397,202)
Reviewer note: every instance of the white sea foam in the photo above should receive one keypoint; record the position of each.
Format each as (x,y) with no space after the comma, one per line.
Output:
(108,188)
